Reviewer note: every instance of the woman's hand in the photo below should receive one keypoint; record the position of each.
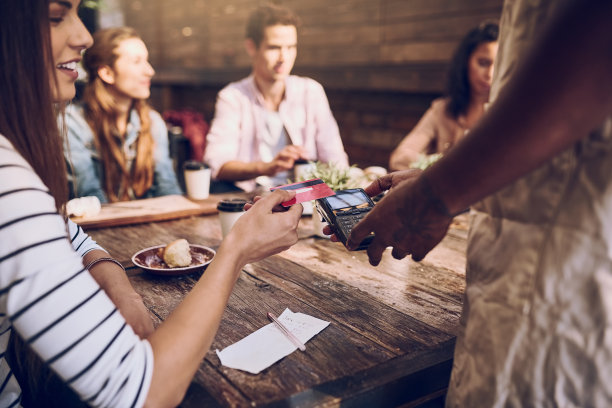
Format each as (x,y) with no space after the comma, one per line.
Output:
(410,218)
(266,228)
(276,208)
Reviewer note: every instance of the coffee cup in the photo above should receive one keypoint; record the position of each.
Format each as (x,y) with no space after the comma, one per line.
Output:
(197,179)
(229,211)
(302,170)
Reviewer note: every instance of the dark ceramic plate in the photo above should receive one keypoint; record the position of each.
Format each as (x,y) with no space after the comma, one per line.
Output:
(151,261)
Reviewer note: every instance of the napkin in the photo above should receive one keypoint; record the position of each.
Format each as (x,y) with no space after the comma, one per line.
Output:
(264,347)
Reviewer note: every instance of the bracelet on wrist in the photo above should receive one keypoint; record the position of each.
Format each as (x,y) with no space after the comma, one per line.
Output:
(104,259)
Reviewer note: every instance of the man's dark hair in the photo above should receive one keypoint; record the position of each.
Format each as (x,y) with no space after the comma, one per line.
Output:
(266,16)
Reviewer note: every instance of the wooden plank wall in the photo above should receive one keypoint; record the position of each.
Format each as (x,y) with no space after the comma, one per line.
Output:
(381,61)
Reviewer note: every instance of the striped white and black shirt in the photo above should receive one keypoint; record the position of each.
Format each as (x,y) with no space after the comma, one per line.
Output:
(53,302)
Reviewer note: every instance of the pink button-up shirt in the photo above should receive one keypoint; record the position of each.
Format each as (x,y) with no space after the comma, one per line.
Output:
(239,124)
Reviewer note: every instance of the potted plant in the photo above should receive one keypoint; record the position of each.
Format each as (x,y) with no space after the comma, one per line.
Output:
(425,160)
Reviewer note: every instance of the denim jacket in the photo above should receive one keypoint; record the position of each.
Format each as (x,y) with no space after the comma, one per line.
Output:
(84,160)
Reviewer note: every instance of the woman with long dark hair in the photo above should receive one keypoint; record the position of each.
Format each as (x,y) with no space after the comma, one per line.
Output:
(450,117)
(118,145)
(86,323)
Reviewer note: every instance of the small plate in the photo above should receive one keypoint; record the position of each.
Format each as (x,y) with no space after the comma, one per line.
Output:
(150,260)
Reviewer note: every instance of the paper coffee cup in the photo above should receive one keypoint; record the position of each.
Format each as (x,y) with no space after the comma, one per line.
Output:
(197,179)
(302,170)
(229,212)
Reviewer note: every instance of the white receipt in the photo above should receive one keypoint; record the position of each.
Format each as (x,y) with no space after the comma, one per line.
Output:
(261,349)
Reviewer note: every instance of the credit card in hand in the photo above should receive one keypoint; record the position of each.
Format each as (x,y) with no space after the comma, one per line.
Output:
(306,191)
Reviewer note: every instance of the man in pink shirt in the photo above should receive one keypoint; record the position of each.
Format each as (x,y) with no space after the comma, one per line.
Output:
(267,121)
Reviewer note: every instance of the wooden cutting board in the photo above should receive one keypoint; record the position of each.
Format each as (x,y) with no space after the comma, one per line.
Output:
(147,210)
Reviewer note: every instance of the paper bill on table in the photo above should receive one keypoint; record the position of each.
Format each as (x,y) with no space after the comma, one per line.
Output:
(264,347)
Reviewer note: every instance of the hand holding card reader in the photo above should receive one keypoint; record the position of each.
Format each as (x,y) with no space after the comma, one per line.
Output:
(344,210)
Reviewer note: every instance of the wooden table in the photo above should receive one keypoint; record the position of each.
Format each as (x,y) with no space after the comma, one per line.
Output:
(392,331)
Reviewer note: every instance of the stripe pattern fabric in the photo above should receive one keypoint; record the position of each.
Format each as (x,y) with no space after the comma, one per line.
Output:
(54,304)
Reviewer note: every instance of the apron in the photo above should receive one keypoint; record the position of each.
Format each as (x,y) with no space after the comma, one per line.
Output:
(536,326)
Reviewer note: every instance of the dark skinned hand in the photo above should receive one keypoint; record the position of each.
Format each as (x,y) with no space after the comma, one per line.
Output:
(410,218)
(378,186)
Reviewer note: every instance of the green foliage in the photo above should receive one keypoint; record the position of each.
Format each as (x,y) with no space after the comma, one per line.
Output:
(424,161)
(92,4)
(337,178)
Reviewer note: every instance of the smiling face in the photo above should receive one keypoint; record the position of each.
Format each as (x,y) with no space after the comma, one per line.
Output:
(69,38)
(131,74)
(273,59)
(480,69)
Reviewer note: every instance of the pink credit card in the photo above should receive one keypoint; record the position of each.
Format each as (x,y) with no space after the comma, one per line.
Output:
(306,191)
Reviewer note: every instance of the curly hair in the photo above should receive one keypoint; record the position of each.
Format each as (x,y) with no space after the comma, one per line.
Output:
(101,115)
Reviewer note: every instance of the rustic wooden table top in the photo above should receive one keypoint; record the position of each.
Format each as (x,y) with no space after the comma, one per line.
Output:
(392,331)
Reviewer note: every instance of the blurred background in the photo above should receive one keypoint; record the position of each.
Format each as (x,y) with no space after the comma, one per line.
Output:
(381,62)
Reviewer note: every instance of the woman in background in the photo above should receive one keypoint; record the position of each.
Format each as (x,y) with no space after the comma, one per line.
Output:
(117,145)
(450,117)
(79,320)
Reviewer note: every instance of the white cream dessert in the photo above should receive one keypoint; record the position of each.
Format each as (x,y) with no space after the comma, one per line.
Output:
(177,254)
